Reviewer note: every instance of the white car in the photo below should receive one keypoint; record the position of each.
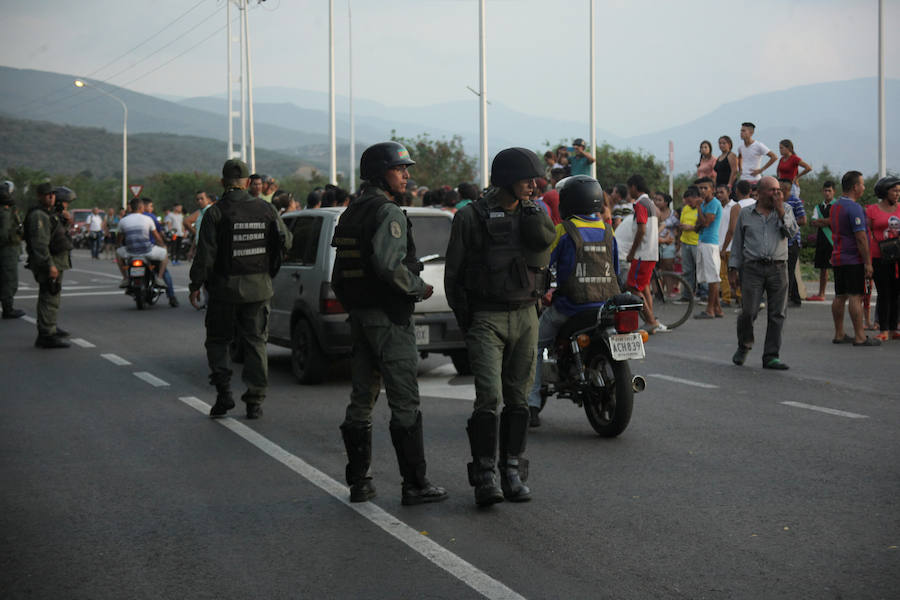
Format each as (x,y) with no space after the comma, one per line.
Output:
(307,317)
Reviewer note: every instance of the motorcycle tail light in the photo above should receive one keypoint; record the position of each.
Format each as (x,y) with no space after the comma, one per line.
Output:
(137,263)
(626,321)
(584,340)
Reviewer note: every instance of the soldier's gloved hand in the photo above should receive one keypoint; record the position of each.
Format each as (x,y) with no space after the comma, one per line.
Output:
(429,290)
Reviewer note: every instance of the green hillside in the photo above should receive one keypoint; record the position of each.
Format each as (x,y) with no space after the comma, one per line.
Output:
(62,149)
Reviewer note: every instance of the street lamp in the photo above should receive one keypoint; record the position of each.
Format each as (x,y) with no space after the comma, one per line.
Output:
(80,84)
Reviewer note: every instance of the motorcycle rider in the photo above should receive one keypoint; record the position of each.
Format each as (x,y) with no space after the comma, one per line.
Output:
(495,272)
(136,235)
(586,260)
(164,274)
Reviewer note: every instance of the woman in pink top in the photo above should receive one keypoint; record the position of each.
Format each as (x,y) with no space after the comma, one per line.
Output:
(883,220)
(707,165)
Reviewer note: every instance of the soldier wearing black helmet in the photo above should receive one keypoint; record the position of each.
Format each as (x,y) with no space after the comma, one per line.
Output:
(10,245)
(495,273)
(239,250)
(48,245)
(376,277)
(586,260)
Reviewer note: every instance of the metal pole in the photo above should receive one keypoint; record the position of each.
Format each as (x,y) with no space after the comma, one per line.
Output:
(332,152)
(882,141)
(483,95)
(250,91)
(124,156)
(243,8)
(229,108)
(671,166)
(593,90)
(352,125)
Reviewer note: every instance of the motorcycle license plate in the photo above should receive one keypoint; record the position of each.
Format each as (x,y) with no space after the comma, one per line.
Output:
(136,271)
(626,346)
(422,336)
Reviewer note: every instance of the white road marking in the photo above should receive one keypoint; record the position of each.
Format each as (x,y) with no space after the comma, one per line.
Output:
(95,273)
(109,293)
(830,411)
(441,388)
(446,369)
(466,572)
(28,319)
(82,342)
(115,359)
(699,384)
(151,379)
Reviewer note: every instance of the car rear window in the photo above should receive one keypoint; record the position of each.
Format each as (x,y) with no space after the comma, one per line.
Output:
(305,247)
(432,234)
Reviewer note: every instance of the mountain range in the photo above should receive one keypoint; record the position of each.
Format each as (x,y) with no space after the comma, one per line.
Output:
(833,124)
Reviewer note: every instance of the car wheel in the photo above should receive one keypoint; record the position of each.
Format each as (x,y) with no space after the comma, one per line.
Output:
(307,361)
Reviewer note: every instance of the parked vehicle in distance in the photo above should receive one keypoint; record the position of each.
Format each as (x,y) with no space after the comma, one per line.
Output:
(78,228)
(307,317)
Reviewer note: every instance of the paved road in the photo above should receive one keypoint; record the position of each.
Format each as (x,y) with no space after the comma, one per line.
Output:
(116,486)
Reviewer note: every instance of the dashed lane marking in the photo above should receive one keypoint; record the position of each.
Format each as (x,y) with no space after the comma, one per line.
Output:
(82,342)
(115,359)
(96,273)
(28,319)
(699,384)
(466,572)
(118,292)
(830,411)
(151,379)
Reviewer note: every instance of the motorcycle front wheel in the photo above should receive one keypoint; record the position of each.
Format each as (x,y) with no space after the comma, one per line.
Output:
(608,408)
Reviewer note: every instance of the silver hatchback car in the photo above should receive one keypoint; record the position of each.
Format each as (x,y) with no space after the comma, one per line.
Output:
(307,317)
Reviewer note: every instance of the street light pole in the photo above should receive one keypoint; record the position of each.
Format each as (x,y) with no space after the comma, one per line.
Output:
(882,142)
(593,108)
(482,96)
(79,83)
(332,150)
(352,131)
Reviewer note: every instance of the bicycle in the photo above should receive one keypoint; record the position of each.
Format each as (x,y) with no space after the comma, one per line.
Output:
(669,308)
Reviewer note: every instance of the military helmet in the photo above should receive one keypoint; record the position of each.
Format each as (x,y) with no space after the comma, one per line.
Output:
(515,164)
(884,184)
(5,196)
(579,195)
(64,194)
(377,159)
(9,185)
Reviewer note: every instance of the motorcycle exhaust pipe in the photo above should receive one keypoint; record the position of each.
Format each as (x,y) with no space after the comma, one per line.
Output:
(638,384)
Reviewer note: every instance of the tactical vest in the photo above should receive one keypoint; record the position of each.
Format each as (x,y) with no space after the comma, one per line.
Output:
(497,275)
(593,279)
(248,229)
(354,279)
(59,237)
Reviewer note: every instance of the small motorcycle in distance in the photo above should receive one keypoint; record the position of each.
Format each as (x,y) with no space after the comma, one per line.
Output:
(142,281)
(588,363)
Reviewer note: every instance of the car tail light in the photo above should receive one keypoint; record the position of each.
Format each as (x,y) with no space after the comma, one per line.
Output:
(626,321)
(328,302)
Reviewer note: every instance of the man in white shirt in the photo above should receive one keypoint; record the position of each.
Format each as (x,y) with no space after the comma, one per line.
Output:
(750,154)
(742,190)
(174,222)
(94,227)
(136,235)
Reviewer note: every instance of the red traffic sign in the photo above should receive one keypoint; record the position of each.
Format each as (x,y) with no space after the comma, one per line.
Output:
(136,190)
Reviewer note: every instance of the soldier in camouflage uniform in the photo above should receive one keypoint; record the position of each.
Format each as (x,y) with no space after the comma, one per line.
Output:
(48,246)
(239,250)
(496,271)
(10,245)
(376,277)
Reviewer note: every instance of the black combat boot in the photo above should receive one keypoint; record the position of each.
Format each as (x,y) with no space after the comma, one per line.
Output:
(50,341)
(358,442)
(482,430)
(410,450)
(514,468)
(224,401)
(12,313)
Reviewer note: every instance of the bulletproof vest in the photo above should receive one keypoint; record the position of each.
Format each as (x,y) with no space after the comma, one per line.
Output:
(593,279)
(247,229)
(354,279)
(13,228)
(59,237)
(498,276)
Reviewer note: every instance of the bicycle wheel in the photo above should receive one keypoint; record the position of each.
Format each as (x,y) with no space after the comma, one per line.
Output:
(671,312)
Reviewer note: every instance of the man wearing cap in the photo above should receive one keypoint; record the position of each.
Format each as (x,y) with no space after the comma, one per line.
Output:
(376,278)
(48,248)
(239,250)
(10,246)
(581,160)
(496,270)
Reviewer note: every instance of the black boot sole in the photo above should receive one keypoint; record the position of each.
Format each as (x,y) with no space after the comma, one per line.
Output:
(489,500)
(416,500)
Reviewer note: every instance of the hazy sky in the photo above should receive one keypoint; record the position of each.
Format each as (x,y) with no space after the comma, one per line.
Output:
(659,63)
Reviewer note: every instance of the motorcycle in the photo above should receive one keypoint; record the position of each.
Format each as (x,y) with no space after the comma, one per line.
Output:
(588,363)
(142,281)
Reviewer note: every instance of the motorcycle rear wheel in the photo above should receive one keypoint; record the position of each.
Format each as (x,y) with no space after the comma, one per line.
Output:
(609,408)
